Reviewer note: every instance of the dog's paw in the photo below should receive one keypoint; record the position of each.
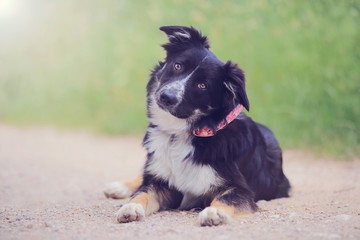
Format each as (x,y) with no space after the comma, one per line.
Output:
(212,216)
(117,190)
(130,212)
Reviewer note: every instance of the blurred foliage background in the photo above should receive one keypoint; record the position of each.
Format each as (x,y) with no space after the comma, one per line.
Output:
(85,63)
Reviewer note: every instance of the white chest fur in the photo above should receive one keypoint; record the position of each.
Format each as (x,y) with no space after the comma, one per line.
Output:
(171,161)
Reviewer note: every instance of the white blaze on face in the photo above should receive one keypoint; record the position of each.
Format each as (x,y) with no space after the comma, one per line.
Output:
(164,119)
(178,86)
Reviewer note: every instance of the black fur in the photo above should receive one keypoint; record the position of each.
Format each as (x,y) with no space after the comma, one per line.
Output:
(245,154)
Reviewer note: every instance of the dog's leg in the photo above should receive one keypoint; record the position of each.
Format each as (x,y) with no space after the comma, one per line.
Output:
(118,190)
(144,203)
(217,213)
(153,195)
(224,207)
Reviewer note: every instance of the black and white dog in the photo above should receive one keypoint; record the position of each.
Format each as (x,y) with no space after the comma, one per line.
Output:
(202,152)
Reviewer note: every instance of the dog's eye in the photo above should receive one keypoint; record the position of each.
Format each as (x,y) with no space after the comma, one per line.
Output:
(177,66)
(202,86)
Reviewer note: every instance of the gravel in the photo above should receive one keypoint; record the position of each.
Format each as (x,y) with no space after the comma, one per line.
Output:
(51,185)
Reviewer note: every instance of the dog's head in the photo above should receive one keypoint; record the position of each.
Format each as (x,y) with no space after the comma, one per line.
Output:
(192,83)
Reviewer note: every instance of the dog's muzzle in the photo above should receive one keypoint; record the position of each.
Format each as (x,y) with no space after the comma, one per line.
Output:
(168,98)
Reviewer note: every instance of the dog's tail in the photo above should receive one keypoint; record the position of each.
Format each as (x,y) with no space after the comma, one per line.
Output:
(284,188)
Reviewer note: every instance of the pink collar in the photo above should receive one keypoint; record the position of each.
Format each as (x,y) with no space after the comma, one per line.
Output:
(208,132)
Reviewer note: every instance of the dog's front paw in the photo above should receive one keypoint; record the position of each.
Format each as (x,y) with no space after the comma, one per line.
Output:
(117,190)
(130,212)
(212,216)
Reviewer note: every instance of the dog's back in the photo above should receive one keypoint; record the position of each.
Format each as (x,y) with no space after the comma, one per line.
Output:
(270,181)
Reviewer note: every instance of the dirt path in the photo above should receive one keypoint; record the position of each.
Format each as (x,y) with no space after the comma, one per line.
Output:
(51,188)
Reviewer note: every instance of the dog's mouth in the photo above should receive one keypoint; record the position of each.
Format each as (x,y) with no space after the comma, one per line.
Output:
(169,102)
(174,111)
(190,115)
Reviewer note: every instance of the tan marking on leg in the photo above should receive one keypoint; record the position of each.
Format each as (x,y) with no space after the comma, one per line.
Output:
(219,212)
(134,184)
(229,210)
(148,200)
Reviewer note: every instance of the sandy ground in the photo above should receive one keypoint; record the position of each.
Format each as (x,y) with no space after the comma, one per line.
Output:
(51,188)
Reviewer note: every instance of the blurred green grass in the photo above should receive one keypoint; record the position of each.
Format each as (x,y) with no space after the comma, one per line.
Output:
(85,64)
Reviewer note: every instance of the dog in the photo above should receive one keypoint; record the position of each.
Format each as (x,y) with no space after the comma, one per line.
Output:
(202,150)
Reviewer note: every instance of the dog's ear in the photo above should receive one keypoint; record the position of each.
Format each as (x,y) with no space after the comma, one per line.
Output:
(182,34)
(235,84)
(176,33)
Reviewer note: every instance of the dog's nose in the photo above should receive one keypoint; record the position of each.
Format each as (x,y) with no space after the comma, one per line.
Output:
(168,98)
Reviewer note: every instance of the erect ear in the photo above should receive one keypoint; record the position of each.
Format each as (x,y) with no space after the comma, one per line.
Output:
(176,32)
(235,84)
(182,34)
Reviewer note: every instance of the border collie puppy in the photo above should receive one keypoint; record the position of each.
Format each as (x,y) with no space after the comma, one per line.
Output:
(202,152)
